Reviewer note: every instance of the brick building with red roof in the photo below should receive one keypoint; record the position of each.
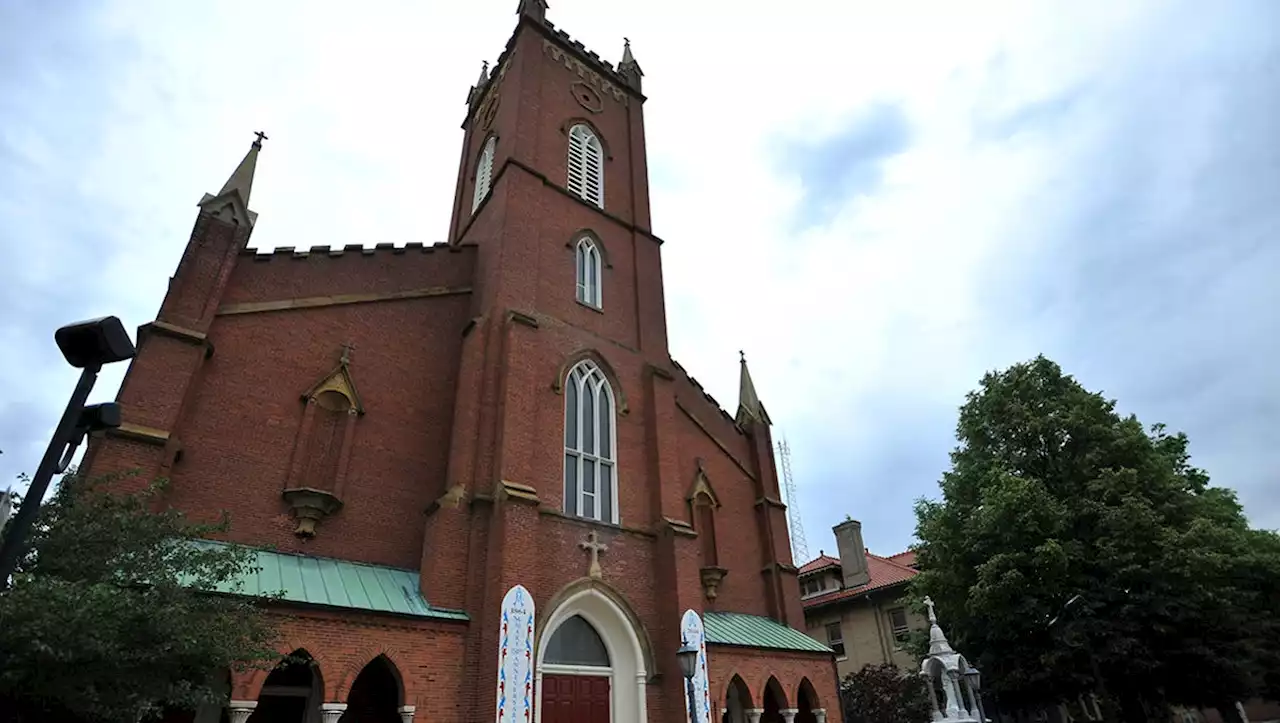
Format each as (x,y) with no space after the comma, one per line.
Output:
(855,602)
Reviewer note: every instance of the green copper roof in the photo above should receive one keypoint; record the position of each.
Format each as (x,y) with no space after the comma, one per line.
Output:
(336,583)
(753,631)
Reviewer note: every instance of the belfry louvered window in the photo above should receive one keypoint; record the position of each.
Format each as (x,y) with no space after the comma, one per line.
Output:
(587,259)
(484,173)
(590,477)
(586,165)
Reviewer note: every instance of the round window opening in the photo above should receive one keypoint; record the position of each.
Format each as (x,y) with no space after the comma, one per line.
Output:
(587,97)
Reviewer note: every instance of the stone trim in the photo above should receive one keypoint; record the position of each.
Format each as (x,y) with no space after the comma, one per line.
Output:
(313,302)
(519,492)
(139,433)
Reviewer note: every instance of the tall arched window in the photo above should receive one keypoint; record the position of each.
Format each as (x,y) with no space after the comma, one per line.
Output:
(484,173)
(586,165)
(587,260)
(590,475)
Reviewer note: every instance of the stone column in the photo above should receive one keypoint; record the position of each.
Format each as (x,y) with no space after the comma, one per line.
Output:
(331,712)
(820,715)
(241,710)
(951,687)
(789,714)
(753,715)
(406,713)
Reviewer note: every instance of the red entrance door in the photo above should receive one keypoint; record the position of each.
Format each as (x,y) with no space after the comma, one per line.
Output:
(575,699)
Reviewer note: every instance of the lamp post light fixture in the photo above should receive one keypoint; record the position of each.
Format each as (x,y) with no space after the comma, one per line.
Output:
(688,657)
(86,345)
(974,676)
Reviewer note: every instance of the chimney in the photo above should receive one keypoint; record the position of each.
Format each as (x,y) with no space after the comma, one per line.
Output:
(853,554)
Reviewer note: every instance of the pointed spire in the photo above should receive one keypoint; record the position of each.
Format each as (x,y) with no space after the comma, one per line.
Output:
(629,68)
(536,9)
(242,179)
(938,644)
(237,188)
(749,406)
(476,90)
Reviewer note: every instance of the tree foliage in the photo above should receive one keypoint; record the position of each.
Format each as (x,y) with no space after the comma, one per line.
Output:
(1053,494)
(106,621)
(884,694)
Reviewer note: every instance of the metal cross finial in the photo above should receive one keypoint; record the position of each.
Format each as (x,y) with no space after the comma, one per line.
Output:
(261,137)
(626,41)
(928,602)
(742,356)
(347,348)
(595,547)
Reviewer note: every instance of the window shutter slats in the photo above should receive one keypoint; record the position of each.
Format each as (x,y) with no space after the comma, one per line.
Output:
(484,174)
(586,165)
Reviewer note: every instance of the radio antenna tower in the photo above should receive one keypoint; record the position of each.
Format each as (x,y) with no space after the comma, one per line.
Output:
(799,545)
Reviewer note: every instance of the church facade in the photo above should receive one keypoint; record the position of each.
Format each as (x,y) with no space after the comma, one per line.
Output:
(411,435)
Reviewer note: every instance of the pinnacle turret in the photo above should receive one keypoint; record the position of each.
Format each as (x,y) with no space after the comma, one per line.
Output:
(628,67)
(750,409)
(232,202)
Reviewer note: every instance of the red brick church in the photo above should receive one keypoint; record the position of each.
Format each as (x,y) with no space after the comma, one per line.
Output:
(409,432)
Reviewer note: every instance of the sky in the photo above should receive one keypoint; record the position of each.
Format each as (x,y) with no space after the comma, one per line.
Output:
(877,202)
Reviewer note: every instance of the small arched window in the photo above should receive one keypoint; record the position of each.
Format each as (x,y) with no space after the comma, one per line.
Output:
(587,260)
(484,173)
(586,165)
(590,475)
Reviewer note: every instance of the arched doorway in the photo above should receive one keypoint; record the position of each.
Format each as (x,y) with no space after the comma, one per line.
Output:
(375,695)
(806,703)
(737,701)
(292,692)
(775,700)
(589,666)
(576,675)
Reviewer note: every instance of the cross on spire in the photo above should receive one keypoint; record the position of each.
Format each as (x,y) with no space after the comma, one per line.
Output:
(928,602)
(261,137)
(347,348)
(595,547)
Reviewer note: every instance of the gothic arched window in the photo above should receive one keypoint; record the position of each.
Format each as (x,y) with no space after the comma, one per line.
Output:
(586,165)
(590,474)
(484,172)
(575,642)
(587,261)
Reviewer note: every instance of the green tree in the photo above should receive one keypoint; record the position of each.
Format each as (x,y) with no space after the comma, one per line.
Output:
(106,619)
(884,694)
(1053,494)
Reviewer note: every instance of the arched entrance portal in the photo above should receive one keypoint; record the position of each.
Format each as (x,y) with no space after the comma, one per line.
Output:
(291,693)
(590,668)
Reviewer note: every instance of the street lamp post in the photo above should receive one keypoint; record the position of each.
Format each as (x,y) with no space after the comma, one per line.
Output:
(86,345)
(688,657)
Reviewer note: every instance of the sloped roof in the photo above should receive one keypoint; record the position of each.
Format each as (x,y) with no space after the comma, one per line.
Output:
(817,564)
(334,583)
(754,631)
(907,558)
(883,571)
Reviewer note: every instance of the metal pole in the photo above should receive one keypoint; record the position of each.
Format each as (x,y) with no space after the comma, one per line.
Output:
(20,525)
(693,707)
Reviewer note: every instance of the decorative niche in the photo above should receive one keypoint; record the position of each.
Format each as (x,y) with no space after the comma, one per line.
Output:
(317,474)
(703,504)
